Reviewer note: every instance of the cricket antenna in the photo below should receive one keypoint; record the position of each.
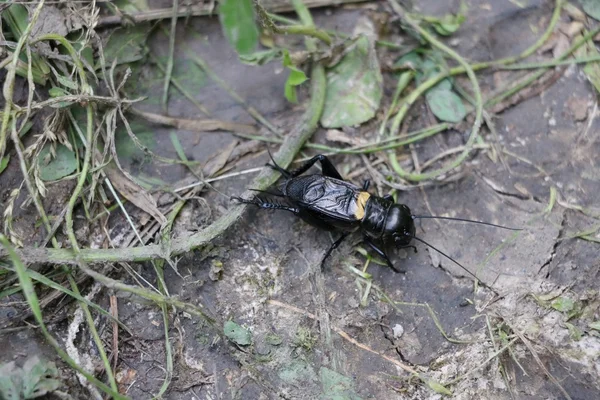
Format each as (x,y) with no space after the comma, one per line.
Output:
(454,261)
(465,220)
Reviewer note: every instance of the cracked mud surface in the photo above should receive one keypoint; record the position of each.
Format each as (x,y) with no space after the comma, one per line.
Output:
(270,260)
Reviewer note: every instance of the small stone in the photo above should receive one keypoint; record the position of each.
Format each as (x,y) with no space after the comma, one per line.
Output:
(398,331)
(578,108)
(352,302)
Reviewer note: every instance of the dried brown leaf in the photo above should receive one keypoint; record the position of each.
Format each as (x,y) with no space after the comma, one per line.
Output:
(217,162)
(196,125)
(134,193)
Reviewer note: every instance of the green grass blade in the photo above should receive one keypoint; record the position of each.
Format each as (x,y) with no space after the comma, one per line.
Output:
(32,300)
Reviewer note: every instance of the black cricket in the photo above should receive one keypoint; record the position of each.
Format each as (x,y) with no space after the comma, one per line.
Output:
(328,202)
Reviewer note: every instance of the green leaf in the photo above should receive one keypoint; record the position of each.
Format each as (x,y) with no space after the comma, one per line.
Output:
(16,18)
(296,78)
(34,380)
(130,6)
(592,8)
(354,87)
(273,339)
(445,104)
(366,254)
(591,70)
(4,163)
(57,92)
(337,386)
(237,334)
(63,164)
(426,63)
(438,388)
(260,57)
(595,325)
(563,304)
(411,60)
(83,48)
(448,24)
(297,373)
(237,21)
(10,381)
(188,74)
(126,45)
(574,331)
(39,378)
(67,82)
(126,148)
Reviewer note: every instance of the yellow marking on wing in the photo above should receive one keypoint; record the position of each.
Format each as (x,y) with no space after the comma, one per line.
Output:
(361,202)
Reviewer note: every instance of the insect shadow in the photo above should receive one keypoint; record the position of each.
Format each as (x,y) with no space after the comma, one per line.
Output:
(328,202)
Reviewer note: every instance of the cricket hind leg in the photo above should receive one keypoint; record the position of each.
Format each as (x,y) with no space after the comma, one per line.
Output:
(327,167)
(266,204)
(270,193)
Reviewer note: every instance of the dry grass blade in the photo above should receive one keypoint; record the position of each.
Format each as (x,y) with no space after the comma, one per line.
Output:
(114,311)
(483,364)
(196,125)
(539,362)
(9,82)
(169,71)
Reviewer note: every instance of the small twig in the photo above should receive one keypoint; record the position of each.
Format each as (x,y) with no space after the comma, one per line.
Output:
(449,152)
(551,63)
(403,81)
(207,9)
(30,89)
(515,94)
(169,69)
(114,311)
(307,30)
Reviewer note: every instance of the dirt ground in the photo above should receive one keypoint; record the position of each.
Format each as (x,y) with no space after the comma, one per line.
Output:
(300,318)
